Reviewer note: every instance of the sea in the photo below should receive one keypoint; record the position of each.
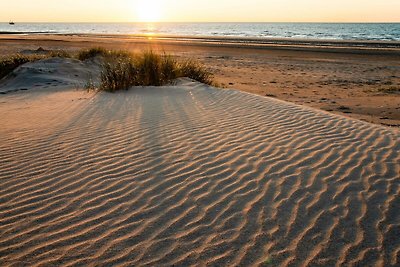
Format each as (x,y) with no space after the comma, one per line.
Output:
(323,31)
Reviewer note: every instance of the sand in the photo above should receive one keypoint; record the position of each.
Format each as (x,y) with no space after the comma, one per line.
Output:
(192,175)
(356,79)
(53,73)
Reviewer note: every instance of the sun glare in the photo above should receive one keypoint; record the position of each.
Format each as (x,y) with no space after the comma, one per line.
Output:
(148,10)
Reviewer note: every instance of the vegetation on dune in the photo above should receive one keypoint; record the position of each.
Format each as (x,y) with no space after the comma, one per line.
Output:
(121,69)
(196,71)
(85,54)
(148,69)
(59,53)
(8,64)
(117,73)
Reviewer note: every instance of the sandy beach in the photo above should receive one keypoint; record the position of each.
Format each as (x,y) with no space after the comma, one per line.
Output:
(295,161)
(357,79)
(188,175)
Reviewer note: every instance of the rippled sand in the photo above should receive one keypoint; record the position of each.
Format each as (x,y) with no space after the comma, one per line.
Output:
(192,175)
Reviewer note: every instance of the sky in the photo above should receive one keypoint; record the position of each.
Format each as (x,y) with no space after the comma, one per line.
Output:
(200,10)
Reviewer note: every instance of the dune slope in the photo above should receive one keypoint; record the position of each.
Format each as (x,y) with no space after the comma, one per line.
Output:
(192,175)
(51,73)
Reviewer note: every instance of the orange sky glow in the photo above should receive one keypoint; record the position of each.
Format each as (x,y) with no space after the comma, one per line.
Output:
(200,11)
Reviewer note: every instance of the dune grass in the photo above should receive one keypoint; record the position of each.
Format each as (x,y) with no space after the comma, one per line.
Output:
(123,70)
(118,72)
(8,64)
(86,54)
(59,53)
(196,71)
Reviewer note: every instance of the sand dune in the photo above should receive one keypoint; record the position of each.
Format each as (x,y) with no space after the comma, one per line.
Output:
(363,84)
(191,175)
(53,73)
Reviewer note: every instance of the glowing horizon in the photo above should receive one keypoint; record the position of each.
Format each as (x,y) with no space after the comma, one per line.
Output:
(204,11)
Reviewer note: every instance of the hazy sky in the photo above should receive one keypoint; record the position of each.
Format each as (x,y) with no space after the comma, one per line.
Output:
(200,10)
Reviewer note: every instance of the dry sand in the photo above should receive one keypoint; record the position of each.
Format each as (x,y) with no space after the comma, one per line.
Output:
(53,73)
(191,175)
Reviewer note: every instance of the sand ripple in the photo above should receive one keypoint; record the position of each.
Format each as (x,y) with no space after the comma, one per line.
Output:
(190,175)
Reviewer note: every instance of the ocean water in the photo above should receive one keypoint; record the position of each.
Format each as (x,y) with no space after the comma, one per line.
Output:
(328,31)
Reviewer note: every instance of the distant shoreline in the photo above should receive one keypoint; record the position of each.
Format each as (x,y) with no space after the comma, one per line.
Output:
(234,39)
(331,32)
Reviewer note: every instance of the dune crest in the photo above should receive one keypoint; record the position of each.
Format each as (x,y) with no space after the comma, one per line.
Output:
(192,175)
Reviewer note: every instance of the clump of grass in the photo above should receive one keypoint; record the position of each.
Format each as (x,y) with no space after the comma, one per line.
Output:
(90,84)
(92,52)
(123,70)
(196,71)
(8,64)
(60,53)
(118,73)
(149,69)
(170,68)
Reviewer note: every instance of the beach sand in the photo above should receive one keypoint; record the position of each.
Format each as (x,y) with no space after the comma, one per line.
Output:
(356,79)
(190,175)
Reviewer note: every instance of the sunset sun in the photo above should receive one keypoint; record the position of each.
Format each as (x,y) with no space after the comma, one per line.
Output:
(148,10)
